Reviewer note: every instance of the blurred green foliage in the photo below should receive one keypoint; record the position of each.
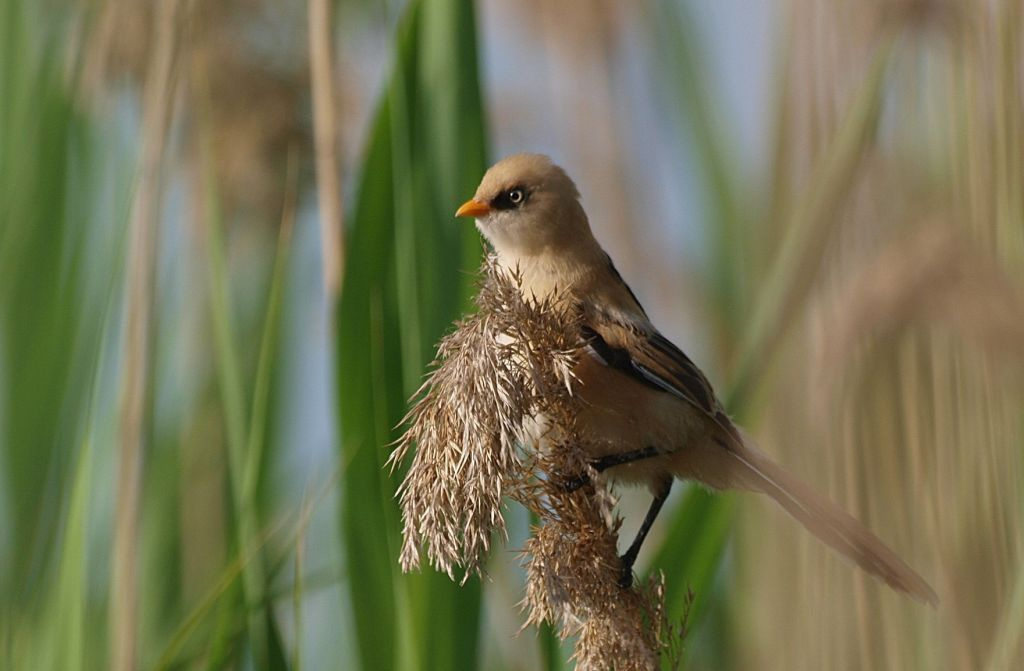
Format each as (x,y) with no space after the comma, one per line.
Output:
(223,579)
(403,287)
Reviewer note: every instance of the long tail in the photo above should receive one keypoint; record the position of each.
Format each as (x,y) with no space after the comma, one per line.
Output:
(830,523)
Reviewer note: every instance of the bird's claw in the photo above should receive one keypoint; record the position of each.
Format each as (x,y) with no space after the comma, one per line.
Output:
(626,573)
(570,485)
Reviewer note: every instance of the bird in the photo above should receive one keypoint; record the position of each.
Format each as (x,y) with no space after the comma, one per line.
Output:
(649,415)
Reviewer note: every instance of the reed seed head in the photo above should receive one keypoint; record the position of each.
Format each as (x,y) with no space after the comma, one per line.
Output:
(495,420)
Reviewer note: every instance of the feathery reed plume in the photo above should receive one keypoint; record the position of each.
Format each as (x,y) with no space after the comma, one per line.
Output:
(572,568)
(492,374)
(495,419)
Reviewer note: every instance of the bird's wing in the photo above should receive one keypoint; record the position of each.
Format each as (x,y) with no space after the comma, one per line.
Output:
(634,347)
(649,357)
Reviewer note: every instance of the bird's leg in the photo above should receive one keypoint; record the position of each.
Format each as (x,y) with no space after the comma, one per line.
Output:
(626,575)
(610,460)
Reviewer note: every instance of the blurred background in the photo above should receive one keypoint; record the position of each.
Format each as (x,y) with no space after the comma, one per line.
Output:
(227,252)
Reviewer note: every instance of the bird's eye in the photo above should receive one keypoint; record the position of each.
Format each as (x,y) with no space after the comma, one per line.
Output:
(509,199)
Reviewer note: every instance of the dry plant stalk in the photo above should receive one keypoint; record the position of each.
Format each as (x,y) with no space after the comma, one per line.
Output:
(496,419)
(139,280)
(325,132)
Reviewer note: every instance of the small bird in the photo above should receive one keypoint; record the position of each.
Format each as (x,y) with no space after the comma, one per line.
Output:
(648,414)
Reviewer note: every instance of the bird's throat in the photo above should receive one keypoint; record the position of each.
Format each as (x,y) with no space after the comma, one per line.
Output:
(553,277)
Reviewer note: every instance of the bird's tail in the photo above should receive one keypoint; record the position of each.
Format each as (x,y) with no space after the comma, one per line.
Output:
(828,522)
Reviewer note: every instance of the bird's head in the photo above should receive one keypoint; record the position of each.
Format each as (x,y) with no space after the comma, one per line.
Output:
(526,205)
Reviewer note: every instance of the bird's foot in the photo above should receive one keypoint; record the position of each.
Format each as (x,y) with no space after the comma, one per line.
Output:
(626,571)
(571,484)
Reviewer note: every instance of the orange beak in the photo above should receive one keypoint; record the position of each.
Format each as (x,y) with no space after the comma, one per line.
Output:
(473,208)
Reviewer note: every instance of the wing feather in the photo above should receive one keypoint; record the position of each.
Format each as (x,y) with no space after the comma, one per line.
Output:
(641,352)
(623,338)
(650,358)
